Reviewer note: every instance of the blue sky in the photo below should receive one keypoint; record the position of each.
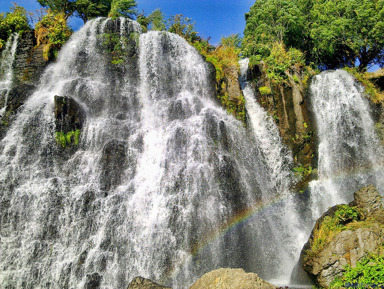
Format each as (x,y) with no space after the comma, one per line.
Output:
(214,18)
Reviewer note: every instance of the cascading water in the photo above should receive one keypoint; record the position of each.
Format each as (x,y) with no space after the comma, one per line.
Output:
(350,154)
(6,70)
(159,182)
(282,218)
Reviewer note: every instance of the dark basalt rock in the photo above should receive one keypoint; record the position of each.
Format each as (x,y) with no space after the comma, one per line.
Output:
(16,98)
(28,66)
(29,61)
(114,161)
(69,115)
(142,283)
(93,281)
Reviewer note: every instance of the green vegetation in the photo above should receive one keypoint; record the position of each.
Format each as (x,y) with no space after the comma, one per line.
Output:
(280,62)
(15,21)
(114,44)
(341,220)
(225,58)
(88,9)
(264,90)
(272,21)
(363,77)
(344,31)
(327,33)
(368,273)
(66,139)
(302,172)
(52,31)
(124,8)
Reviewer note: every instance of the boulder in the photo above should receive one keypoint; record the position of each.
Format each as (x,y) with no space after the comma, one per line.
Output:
(368,199)
(69,115)
(93,281)
(231,278)
(142,283)
(354,243)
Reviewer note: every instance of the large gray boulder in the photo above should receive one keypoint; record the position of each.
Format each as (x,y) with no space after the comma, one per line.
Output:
(142,283)
(231,278)
(348,246)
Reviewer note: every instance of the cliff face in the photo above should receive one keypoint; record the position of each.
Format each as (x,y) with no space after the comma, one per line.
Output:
(28,66)
(289,106)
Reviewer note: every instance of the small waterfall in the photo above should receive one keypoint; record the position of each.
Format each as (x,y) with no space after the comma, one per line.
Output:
(6,70)
(350,154)
(163,184)
(277,156)
(287,233)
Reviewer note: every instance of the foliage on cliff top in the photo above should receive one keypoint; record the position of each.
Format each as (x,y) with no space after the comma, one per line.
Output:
(375,95)
(225,58)
(52,31)
(330,34)
(88,9)
(123,8)
(14,21)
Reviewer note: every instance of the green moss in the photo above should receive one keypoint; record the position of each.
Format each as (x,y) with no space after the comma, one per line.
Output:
(264,90)
(302,172)
(66,139)
(344,218)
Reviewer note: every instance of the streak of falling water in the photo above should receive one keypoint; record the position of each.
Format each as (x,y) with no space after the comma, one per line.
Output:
(6,70)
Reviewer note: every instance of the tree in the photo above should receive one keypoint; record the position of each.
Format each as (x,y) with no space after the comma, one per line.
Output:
(68,7)
(346,30)
(157,20)
(331,33)
(184,27)
(14,21)
(88,9)
(52,32)
(154,21)
(272,21)
(125,8)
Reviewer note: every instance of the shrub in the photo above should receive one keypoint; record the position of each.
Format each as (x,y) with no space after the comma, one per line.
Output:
(280,61)
(14,21)
(52,31)
(332,225)
(368,273)
(265,90)
(363,77)
(65,139)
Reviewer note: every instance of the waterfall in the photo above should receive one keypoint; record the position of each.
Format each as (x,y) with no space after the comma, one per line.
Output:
(285,225)
(164,183)
(350,153)
(6,70)
(267,135)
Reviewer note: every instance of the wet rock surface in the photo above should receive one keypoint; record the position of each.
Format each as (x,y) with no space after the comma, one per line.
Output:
(69,115)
